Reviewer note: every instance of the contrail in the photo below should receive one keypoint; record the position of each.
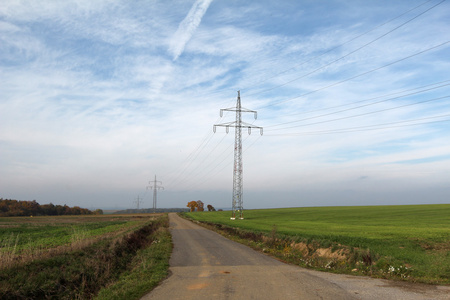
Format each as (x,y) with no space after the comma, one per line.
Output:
(187,27)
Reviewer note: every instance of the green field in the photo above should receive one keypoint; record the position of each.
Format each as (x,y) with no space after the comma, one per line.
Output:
(411,242)
(83,257)
(23,235)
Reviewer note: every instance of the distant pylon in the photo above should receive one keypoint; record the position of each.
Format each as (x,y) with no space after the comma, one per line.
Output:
(237,200)
(138,200)
(155,187)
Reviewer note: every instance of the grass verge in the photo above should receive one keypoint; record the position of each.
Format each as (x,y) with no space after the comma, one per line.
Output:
(148,268)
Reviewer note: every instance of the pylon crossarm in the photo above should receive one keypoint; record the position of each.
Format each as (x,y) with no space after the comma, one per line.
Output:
(244,124)
(255,127)
(249,127)
(243,109)
(226,125)
(226,109)
(233,124)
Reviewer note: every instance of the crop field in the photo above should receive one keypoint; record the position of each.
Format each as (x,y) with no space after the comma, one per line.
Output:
(24,238)
(402,242)
(69,257)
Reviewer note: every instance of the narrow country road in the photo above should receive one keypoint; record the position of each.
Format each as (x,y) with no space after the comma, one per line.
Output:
(205,265)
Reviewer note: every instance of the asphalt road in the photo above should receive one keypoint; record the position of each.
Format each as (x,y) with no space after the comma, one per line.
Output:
(205,265)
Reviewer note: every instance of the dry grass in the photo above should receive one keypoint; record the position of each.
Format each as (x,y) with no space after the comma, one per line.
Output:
(12,251)
(81,266)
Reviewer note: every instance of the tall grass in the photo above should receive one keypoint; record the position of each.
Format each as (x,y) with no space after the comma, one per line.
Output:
(26,239)
(8,249)
(80,272)
(148,268)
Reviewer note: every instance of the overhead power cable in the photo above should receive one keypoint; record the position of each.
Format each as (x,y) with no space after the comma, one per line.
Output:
(178,172)
(441,83)
(363,114)
(357,107)
(191,174)
(190,159)
(348,54)
(336,47)
(220,162)
(359,75)
(369,127)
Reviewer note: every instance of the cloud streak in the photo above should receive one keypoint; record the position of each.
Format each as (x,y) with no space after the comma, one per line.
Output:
(187,27)
(92,105)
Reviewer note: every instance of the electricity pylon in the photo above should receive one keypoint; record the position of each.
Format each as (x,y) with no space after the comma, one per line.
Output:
(138,200)
(155,187)
(237,201)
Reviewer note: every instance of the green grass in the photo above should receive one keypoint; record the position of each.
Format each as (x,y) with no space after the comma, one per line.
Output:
(415,236)
(149,267)
(109,252)
(24,233)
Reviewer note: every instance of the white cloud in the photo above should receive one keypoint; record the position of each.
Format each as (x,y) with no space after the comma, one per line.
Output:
(187,27)
(90,100)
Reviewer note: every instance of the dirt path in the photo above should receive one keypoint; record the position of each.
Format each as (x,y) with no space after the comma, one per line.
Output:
(205,265)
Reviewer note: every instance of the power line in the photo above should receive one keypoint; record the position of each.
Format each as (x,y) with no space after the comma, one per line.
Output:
(177,173)
(368,127)
(444,83)
(360,106)
(194,154)
(359,75)
(209,175)
(363,114)
(189,175)
(350,53)
(205,158)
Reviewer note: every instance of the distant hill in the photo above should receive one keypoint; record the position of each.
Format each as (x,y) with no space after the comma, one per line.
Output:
(150,210)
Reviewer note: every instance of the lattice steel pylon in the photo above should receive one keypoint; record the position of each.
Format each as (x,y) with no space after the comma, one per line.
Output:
(237,200)
(138,201)
(155,187)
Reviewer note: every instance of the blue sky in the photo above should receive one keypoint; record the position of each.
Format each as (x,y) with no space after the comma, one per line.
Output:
(98,97)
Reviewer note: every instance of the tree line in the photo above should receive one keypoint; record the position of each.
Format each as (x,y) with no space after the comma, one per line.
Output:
(199,206)
(15,208)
